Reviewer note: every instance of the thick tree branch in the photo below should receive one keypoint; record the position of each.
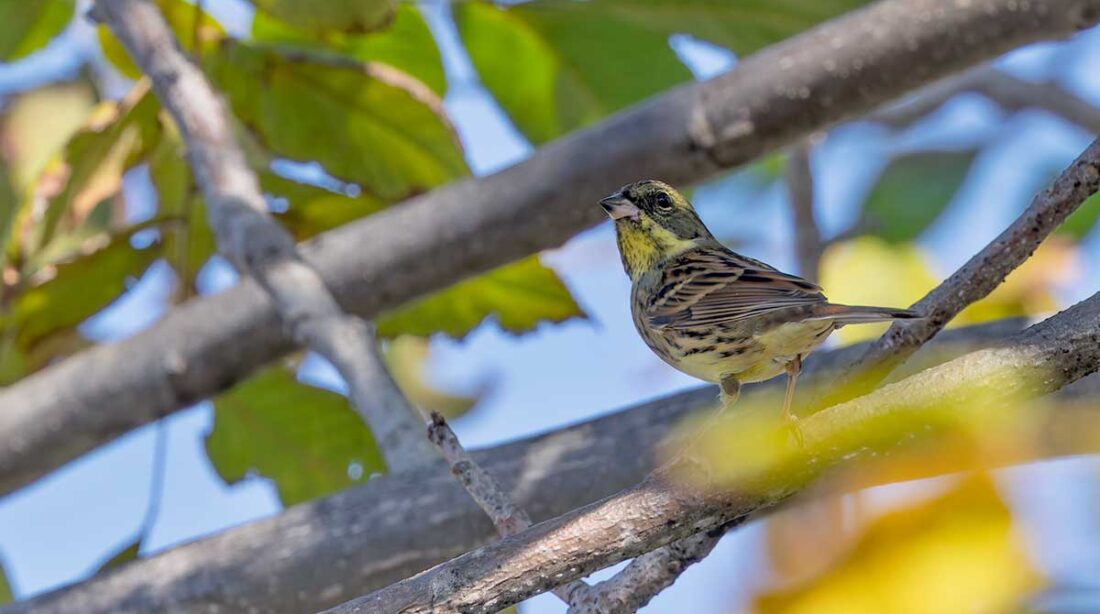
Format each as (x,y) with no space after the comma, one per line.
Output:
(254,241)
(318,554)
(829,74)
(1039,360)
(979,276)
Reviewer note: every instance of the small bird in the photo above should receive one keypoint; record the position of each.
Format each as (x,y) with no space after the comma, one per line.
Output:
(713,313)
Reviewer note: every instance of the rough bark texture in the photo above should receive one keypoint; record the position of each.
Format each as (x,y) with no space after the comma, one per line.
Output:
(506,516)
(318,554)
(826,75)
(647,575)
(654,513)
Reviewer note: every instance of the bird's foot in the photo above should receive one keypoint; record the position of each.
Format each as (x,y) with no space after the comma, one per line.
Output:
(794,431)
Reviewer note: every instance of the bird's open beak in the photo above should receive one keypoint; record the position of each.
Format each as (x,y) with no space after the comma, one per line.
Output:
(618,207)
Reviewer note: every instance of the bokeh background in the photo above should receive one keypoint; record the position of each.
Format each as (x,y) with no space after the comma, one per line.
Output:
(966,168)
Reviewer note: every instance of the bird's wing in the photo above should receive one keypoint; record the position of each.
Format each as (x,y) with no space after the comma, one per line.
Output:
(713,286)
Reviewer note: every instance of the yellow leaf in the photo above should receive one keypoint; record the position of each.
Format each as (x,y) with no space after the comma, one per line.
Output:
(870,271)
(39,122)
(957,553)
(407,357)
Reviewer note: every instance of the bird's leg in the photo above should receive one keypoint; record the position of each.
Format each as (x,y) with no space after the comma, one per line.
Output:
(731,389)
(794,367)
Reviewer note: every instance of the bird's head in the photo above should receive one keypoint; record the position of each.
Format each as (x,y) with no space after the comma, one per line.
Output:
(653,222)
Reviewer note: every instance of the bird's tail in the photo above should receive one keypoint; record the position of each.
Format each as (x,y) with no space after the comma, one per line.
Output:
(859,314)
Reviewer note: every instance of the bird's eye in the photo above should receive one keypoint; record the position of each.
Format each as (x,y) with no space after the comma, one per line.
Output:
(663,203)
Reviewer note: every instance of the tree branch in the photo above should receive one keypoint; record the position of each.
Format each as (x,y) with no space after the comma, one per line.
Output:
(254,242)
(1041,359)
(800,188)
(1011,93)
(317,554)
(647,575)
(829,74)
(508,518)
(978,277)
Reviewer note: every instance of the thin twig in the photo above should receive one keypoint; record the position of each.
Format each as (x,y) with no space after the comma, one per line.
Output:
(647,575)
(508,518)
(975,279)
(1007,91)
(800,187)
(254,242)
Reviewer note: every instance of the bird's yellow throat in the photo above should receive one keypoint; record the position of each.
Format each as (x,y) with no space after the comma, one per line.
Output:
(643,243)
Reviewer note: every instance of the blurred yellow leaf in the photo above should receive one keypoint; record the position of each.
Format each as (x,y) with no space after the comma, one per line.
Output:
(116,136)
(870,271)
(806,538)
(39,122)
(407,357)
(957,553)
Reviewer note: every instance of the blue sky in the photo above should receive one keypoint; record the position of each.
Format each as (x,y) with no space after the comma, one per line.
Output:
(557,374)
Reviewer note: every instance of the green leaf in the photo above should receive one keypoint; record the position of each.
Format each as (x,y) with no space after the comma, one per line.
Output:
(366,123)
(28,25)
(188,240)
(9,208)
(1081,222)
(912,192)
(116,137)
(74,291)
(558,65)
(129,552)
(355,16)
(190,24)
(304,438)
(6,594)
(407,44)
(555,67)
(518,296)
(313,209)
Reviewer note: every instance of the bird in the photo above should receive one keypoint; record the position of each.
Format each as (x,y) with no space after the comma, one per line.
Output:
(710,312)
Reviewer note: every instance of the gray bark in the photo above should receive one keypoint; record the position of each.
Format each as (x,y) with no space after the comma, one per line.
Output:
(318,554)
(829,74)
(656,512)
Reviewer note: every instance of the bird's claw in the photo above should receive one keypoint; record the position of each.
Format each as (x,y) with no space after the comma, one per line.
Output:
(790,424)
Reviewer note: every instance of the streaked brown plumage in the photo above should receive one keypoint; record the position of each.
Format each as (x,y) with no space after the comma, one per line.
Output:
(710,312)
